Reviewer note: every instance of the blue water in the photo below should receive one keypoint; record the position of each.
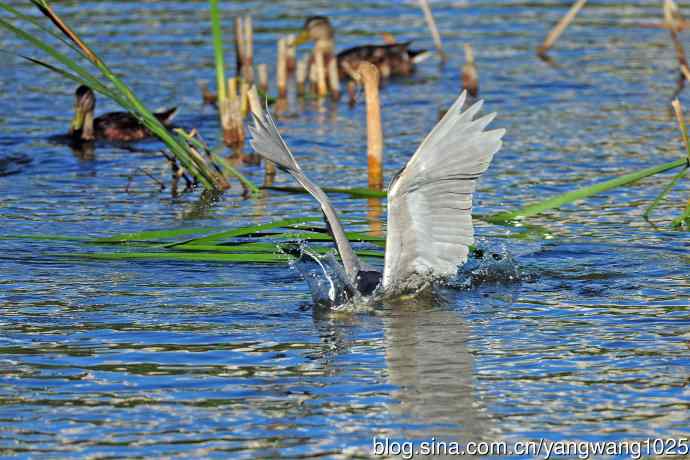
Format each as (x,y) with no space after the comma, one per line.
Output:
(162,359)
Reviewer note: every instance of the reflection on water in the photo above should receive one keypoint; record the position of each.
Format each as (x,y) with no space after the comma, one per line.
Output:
(429,363)
(165,359)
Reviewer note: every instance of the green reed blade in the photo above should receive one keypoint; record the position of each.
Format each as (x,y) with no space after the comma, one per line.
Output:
(260,258)
(245,231)
(270,248)
(579,194)
(218,51)
(354,192)
(666,190)
(157,236)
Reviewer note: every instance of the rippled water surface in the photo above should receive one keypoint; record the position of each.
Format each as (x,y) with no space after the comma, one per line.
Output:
(213,360)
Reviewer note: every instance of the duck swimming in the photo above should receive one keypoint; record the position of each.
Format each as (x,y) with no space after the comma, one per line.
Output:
(392,59)
(430,226)
(112,126)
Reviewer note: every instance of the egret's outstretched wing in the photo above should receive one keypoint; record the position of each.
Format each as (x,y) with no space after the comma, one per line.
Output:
(267,142)
(430,200)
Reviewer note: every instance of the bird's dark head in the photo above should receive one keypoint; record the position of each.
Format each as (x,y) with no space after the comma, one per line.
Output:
(368,281)
(84,98)
(84,105)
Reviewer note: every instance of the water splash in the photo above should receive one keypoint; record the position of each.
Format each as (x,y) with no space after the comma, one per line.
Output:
(488,264)
(325,276)
(331,289)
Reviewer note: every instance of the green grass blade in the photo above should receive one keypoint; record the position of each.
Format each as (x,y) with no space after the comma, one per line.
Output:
(245,231)
(218,51)
(260,258)
(158,236)
(354,192)
(666,190)
(579,194)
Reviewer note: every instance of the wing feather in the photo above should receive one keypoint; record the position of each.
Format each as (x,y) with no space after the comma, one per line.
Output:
(430,202)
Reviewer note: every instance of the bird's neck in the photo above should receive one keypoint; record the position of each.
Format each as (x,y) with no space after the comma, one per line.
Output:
(325,46)
(87,131)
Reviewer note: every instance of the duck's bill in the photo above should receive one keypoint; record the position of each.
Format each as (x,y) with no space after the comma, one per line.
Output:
(78,120)
(301,39)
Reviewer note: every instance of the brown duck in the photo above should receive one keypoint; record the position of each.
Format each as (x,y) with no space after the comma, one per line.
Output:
(112,126)
(391,59)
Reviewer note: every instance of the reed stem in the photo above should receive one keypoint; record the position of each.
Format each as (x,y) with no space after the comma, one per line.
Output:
(369,75)
(281,69)
(291,59)
(470,76)
(262,70)
(248,64)
(240,48)
(301,75)
(258,111)
(559,28)
(434,30)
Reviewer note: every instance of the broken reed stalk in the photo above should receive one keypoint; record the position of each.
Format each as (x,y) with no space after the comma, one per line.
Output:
(672,17)
(207,96)
(248,63)
(434,30)
(680,52)
(470,76)
(369,76)
(559,28)
(257,111)
(320,65)
(301,75)
(333,78)
(262,70)
(678,110)
(291,59)
(231,117)
(673,21)
(240,48)
(281,69)
(244,98)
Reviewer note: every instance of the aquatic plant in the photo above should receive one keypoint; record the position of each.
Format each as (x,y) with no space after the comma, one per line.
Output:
(260,243)
(211,173)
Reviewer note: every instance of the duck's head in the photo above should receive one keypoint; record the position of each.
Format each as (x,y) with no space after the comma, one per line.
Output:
(317,29)
(84,105)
